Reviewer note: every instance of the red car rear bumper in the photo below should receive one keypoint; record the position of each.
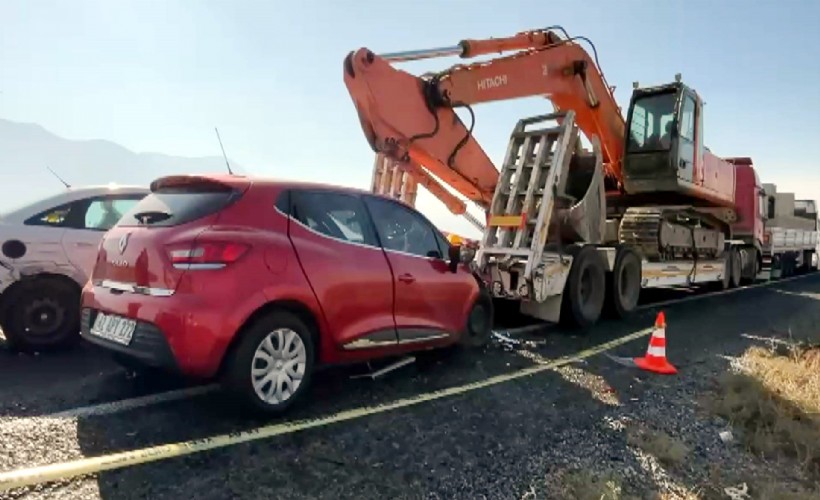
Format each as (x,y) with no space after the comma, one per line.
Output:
(186,333)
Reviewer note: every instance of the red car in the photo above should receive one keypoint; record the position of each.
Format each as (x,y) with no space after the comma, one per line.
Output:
(256,282)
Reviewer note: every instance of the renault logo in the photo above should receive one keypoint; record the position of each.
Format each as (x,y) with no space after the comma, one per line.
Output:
(123,242)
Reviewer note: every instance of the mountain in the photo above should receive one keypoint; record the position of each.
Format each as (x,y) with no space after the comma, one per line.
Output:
(27,149)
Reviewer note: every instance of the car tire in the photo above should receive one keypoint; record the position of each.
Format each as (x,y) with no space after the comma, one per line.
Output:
(478,328)
(250,376)
(42,314)
(585,290)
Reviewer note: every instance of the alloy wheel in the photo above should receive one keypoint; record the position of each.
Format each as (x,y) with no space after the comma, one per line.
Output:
(278,366)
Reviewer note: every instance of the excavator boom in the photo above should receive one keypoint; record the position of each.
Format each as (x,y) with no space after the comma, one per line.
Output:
(413,119)
(397,121)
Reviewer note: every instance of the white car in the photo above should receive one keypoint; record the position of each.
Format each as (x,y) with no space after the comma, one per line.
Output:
(47,252)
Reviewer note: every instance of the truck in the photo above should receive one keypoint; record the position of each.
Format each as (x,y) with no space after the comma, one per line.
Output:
(573,231)
(790,238)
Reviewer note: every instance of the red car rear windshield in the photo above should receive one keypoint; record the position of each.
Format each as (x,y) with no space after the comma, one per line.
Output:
(172,206)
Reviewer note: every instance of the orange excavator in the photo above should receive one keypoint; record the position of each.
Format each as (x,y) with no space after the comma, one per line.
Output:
(649,197)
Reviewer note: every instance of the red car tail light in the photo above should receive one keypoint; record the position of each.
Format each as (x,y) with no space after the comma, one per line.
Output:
(206,255)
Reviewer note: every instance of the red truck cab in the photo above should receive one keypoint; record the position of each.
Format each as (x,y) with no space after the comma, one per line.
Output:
(750,204)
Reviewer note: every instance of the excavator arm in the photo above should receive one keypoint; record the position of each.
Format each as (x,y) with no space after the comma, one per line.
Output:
(412,119)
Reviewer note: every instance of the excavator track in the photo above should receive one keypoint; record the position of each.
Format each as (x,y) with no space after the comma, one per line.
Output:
(661,234)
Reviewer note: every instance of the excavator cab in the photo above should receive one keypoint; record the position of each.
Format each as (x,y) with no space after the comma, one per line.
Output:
(664,128)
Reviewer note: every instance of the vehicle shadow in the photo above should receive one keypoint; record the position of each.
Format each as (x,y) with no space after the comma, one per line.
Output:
(35,384)
(499,441)
(42,383)
(405,453)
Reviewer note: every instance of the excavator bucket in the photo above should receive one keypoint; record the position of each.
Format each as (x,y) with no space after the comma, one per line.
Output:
(581,212)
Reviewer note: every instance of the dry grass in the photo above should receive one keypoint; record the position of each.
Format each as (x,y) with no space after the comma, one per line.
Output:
(587,485)
(776,491)
(592,485)
(775,402)
(667,449)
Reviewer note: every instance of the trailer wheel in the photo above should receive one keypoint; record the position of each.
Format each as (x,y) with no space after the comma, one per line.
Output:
(726,281)
(749,256)
(624,285)
(736,268)
(585,290)
(806,266)
(787,265)
(776,267)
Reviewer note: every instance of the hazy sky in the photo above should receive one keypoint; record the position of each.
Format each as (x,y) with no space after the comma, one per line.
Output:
(159,75)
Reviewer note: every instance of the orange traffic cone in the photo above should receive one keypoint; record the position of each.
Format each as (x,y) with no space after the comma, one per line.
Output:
(655,358)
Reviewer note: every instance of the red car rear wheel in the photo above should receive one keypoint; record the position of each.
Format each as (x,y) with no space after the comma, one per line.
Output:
(271,367)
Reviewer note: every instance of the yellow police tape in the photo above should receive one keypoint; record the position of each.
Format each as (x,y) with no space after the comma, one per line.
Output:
(46,473)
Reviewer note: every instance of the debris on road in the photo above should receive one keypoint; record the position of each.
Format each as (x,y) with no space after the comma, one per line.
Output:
(387,369)
(508,343)
(726,436)
(737,493)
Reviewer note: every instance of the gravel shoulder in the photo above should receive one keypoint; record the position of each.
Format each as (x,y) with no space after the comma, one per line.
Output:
(527,438)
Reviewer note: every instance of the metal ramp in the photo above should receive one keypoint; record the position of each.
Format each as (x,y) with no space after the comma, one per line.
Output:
(531,178)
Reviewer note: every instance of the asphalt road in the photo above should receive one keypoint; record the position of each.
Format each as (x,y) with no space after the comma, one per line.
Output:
(496,442)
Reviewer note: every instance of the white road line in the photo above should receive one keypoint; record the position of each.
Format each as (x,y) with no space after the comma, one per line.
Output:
(113,406)
(655,305)
(138,402)
(722,292)
(769,340)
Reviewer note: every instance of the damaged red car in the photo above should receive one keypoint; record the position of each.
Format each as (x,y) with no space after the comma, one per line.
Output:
(257,282)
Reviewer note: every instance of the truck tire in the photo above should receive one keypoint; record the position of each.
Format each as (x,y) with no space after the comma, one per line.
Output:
(749,256)
(624,284)
(776,267)
(41,314)
(585,290)
(736,266)
(806,267)
(787,265)
(726,282)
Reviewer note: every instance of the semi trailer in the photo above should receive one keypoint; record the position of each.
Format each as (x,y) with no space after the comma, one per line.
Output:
(790,238)
(571,231)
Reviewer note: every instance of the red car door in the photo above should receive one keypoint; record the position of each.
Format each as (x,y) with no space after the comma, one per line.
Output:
(431,301)
(348,271)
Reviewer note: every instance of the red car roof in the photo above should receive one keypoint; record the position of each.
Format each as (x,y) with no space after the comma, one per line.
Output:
(244,181)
